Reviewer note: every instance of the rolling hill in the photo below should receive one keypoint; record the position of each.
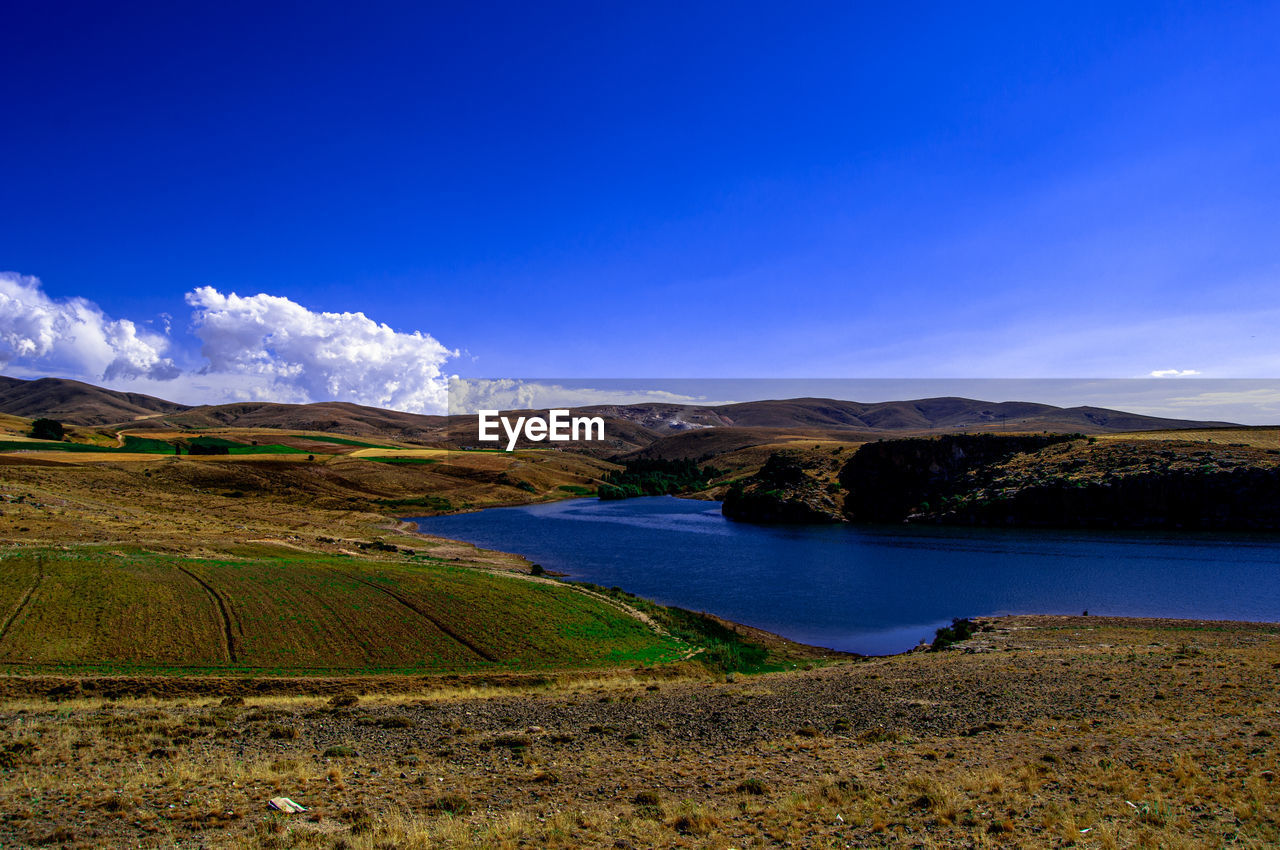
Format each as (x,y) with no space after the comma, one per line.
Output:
(629,427)
(77,403)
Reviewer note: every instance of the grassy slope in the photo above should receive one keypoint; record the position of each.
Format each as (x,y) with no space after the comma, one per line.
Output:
(139,612)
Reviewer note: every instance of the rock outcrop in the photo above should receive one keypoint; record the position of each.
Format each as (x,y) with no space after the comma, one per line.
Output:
(787,489)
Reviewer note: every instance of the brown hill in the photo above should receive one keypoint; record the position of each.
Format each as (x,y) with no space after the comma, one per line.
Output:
(630,427)
(335,417)
(708,443)
(77,403)
(938,414)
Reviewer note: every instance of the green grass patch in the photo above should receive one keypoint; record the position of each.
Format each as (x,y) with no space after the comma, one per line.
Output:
(269,449)
(213,441)
(435,503)
(723,649)
(134,612)
(147,445)
(577,489)
(343,441)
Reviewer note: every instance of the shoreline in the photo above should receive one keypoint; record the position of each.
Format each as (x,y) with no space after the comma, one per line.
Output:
(930,529)
(179,685)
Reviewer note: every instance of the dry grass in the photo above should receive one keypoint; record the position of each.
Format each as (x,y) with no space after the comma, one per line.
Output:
(1067,765)
(1258,437)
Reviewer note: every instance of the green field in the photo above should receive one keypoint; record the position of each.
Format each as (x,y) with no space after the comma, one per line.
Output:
(146,445)
(269,449)
(577,489)
(113,611)
(343,441)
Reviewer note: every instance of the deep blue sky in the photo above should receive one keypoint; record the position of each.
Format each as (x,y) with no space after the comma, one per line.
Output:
(733,189)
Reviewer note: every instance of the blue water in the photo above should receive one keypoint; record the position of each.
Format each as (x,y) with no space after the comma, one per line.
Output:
(883,589)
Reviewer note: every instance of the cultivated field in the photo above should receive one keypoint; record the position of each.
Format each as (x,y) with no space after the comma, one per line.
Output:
(94,610)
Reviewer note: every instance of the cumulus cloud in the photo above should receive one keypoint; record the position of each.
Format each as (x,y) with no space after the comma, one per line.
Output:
(73,337)
(289,353)
(1174,373)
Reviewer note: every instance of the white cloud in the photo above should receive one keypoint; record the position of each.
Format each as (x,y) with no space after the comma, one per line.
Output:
(1260,398)
(1174,373)
(468,395)
(276,349)
(73,337)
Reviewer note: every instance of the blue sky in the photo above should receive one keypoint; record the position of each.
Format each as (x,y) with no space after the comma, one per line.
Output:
(685,189)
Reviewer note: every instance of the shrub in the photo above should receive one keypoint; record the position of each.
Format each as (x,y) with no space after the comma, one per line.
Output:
(512,742)
(960,629)
(695,823)
(395,721)
(753,786)
(47,429)
(451,804)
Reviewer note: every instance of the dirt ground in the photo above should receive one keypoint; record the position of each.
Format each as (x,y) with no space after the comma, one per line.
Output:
(1040,732)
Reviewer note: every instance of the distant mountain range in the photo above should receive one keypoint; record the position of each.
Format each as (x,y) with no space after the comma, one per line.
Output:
(630,427)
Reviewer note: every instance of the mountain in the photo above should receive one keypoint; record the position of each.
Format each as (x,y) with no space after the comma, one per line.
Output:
(336,417)
(630,427)
(77,403)
(940,414)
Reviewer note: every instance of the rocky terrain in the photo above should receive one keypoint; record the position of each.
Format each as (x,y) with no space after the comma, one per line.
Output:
(1038,731)
(1044,480)
(1126,484)
(791,487)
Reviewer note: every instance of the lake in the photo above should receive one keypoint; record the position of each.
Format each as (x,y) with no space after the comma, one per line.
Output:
(877,590)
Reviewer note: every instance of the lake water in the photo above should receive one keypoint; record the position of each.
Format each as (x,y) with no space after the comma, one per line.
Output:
(882,589)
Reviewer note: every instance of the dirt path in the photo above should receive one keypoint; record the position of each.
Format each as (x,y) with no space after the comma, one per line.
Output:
(22,603)
(229,625)
(416,609)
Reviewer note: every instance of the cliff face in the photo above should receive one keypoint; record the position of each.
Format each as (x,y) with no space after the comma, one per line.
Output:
(787,489)
(1245,499)
(887,481)
(1065,483)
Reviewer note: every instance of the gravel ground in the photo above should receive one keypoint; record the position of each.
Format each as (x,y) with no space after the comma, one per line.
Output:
(1054,705)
